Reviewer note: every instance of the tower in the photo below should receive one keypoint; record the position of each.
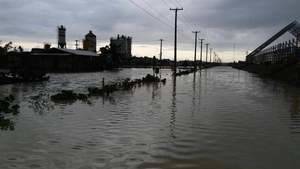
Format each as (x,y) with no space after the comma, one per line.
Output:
(61,33)
(129,44)
(121,46)
(90,42)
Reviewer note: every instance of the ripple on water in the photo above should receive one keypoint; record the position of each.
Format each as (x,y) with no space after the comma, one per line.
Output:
(185,164)
(221,119)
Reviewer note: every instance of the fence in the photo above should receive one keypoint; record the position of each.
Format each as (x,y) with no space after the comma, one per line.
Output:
(280,53)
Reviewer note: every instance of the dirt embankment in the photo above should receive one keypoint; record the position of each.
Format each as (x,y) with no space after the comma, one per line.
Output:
(289,73)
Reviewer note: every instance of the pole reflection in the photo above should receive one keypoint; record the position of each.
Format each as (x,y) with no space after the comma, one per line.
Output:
(194,94)
(156,92)
(295,115)
(200,87)
(173,108)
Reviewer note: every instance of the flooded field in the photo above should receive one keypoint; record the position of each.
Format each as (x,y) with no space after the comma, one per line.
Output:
(220,118)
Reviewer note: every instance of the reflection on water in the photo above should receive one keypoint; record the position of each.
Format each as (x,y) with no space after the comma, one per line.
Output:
(8,109)
(173,108)
(6,124)
(40,103)
(295,114)
(218,118)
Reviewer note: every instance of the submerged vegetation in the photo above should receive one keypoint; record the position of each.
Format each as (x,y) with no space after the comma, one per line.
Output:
(106,90)
(68,95)
(7,107)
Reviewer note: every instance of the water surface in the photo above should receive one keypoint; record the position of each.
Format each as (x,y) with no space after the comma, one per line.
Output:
(220,118)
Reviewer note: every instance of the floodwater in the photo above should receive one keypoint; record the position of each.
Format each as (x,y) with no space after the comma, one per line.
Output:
(221,118)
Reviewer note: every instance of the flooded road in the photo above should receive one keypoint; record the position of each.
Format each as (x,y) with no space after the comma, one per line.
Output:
(220,118)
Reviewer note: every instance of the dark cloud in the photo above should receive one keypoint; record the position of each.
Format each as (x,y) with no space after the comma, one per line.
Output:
(222,22)
(246,14)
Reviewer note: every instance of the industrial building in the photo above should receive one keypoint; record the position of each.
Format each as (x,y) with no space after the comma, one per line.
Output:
(287,51)
(56,60)
(59,59)
(90,42)
(121,46)
(61,37)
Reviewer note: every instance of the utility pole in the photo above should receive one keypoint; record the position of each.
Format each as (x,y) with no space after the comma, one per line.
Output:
(297,39)
(195,55)
(210,54)
(234,46)
(206,52)
(297,43)
(201,41)
(160,53)
(215,57)
(175,37)
(76,44)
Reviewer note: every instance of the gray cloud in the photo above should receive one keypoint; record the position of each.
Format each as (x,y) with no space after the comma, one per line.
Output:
(222,22)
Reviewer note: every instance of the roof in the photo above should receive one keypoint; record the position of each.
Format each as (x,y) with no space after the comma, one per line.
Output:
(293,28)
(91,34)
(78,52)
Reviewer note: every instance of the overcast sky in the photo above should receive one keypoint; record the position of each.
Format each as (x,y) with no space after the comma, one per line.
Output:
(225,24)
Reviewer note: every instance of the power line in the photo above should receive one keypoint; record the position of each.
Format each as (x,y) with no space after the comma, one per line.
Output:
(182,32)
(183,19)
(149,13)
(154,10)
(185,33)
(146,41)
(171,2)
(167,4)
(186,17)
(178,3)
(159,14)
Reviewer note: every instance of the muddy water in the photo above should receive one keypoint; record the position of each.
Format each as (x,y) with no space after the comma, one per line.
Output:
(220,118)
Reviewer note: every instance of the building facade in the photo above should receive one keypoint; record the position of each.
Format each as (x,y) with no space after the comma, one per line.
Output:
(56,60)
(121,46)
(90,42)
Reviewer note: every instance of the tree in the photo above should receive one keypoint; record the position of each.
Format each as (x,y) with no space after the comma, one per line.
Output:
(3,53)
(20,49)
(105,50)
(8,46)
